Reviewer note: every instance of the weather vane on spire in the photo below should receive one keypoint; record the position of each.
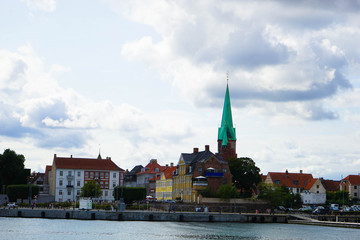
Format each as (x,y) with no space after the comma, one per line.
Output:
(227,77)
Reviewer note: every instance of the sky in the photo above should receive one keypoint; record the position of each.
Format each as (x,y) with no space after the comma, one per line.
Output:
(140,80)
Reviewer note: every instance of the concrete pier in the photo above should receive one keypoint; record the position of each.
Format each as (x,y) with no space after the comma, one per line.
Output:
(143,216)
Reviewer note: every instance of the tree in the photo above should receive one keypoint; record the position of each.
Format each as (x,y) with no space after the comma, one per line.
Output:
(278,195)
(340,197)
(226,191)
(246,175)
(12,169)
(15,192)
(91,189)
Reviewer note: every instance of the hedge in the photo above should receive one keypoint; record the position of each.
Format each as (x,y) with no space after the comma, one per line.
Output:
(15,192)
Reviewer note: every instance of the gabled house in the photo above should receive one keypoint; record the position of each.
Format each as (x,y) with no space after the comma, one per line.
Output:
(314,192)
(130,178)
(164,184)
(151,170)
(351,184)
(330,185)
(197,171)
(296,182)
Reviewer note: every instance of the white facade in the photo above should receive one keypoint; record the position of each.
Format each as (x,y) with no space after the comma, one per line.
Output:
(313,198)
(70,181)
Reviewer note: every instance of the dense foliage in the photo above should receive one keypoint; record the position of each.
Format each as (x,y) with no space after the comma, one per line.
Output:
(129,194)
(338,197)
(91,189)
(246,175)
(15,192)
(279,195)
(226,191)
(12,170)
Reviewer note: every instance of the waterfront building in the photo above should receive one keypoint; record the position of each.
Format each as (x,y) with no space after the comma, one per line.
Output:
(314,192)
(164,184)
(151,170)
(296,182)
(130,178)
(68,175)
(351,184)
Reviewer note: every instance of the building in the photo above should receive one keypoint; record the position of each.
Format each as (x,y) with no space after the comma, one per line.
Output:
(198,171)
(130,178)
(226,132)
(151,170)
(164,184)
(351,184)
(314,192)
(296,182)
(330,185)
(68,175)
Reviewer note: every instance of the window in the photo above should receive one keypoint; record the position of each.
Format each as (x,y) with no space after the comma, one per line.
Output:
(317,191)
(69,182)
(60,192)
(106,175)
(79,173)
(96,174)
(69,173)
(91,174)
(277,182)
(102,174)
(355,194)
(296,182)
(114,175)
(106,193)
(199,169)
(106,184)
(86,174)
(224,170)
(156,169)
(355,187)
(317,186)
(60,183)
(61,173)
(69,193)
(78,183)
(78,192)
(114,184)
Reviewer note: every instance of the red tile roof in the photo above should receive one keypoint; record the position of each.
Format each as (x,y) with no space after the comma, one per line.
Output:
(263,177)
(86,164)
(47,169)
(294,180)
(310,183)
(151,166)
(353,179)
(169,172)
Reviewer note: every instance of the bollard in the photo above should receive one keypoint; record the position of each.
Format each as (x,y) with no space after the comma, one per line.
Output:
(92,216)
(42,214)
(181,218)
(67,215)
(120,217)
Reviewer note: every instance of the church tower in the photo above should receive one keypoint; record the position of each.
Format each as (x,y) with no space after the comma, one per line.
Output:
(227,133)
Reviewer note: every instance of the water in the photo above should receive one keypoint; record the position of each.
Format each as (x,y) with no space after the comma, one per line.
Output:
(26,228)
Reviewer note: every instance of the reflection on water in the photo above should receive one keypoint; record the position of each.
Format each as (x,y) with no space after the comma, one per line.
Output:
(26,228)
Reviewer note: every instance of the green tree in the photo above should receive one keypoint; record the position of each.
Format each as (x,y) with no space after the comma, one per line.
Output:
(226,191)
(246,175)
(12,169)
(279,195)
(91,189)
(339,197)
(15,192)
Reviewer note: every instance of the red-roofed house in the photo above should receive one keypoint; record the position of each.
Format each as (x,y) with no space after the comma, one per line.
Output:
(164,184)
(351,184)
(314,192)
(151,170)
(68,175)
(296,182)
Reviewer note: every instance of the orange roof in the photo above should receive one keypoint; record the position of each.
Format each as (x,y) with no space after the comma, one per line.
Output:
(151,166)
(169,172)
(85,163)
(310,183)
(294,180)
(353,179)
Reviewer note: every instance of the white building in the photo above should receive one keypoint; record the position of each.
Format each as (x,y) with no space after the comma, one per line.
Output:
(68,176)
(314,192)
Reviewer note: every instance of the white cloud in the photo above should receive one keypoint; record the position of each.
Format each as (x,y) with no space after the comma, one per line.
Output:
(41,5)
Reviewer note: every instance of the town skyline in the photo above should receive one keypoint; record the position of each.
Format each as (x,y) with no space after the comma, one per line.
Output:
(148,82)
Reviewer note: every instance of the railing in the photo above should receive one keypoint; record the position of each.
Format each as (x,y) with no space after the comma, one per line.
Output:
(69,186)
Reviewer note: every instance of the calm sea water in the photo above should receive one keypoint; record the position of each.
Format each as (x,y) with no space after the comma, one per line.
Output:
(41,229)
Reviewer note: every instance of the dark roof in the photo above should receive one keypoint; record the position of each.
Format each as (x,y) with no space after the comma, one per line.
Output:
(135,170)
(331,185)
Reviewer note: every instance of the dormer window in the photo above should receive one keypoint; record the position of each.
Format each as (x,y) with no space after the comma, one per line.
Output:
(296,182)
(156,169)
(277,182)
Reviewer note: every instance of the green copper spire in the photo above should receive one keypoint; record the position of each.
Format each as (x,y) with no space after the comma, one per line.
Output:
(226,131)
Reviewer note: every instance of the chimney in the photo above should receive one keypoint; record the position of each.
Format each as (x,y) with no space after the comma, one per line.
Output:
(166,165)
(196,150)
(286,174)
(207,148)
(171,164)
(54,155)
(71,156)
(301,171)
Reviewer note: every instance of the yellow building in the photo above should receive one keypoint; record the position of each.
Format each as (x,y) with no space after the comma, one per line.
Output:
(164,185)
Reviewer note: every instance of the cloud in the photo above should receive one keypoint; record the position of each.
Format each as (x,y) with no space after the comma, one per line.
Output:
(41,5)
